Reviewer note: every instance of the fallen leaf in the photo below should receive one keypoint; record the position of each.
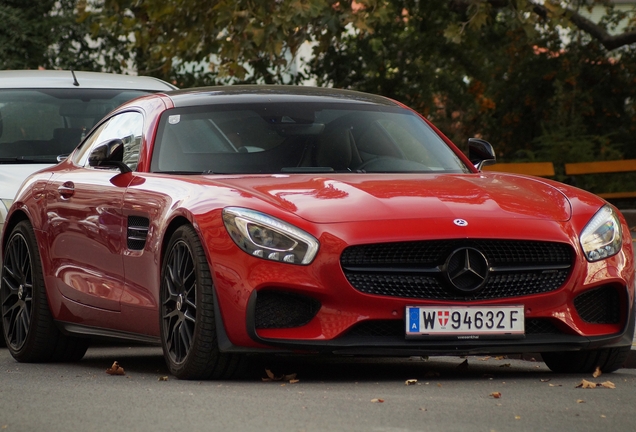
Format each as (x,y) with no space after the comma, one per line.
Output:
(294,381)
(517,417)
(496,395)
(377,400)
(580,401)
(163,378)
(485,358)
(555,385)
(597,373)
(586,384)
(272,377)
(463,365)
(439,384)
(545,379)
(505,365)
(500,357)
(608,384)
(423,409)
(410,381)
(115,369)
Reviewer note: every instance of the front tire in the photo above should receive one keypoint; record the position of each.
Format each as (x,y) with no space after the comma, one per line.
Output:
(607,359)
(188,329)
(28,327)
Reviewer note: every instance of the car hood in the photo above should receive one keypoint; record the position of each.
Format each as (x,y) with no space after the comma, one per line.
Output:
(12,176)
(368,197)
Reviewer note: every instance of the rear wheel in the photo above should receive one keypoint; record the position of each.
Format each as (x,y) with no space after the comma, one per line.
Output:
(188,329)
(607,359)
(28,327)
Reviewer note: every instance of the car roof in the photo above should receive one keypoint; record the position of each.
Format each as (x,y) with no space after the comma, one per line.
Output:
(14,79)
(271,93)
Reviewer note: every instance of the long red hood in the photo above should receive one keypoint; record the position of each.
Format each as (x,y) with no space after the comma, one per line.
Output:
(355,197)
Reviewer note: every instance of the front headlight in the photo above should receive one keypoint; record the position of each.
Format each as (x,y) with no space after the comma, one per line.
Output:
(602,237)
(266,237)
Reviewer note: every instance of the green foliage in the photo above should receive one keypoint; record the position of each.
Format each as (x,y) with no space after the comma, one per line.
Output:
(224,41)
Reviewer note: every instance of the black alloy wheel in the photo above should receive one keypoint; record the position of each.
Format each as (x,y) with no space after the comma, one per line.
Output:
(17,291)
(188,329)
(28,327)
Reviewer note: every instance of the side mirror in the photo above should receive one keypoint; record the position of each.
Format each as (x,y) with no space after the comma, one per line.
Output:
(481,153)
(109,154)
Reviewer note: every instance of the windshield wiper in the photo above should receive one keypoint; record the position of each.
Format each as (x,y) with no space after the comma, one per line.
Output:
(307,170)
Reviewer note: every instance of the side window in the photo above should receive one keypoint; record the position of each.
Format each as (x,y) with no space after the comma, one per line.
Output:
(126,126)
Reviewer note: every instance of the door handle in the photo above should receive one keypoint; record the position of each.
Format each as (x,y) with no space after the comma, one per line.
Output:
(66,190)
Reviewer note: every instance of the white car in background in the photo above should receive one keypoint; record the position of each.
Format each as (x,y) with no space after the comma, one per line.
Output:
(44,114)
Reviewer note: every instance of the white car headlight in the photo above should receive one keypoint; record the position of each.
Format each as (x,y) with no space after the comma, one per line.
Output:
(266,237)
(602,237)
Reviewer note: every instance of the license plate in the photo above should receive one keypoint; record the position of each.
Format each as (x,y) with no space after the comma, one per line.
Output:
(465,322)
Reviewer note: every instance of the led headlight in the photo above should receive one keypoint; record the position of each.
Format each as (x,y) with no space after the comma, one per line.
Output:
(266,237)
(602,236)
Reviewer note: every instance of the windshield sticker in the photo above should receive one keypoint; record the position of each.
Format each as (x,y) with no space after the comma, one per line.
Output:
(174,119)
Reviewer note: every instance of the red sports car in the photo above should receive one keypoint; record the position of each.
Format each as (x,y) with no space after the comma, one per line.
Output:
(225,221)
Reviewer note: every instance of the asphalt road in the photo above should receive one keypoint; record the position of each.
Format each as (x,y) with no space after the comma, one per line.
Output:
(330,395)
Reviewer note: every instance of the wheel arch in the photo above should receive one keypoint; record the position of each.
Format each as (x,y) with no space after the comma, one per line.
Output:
(170,229)
(17,217)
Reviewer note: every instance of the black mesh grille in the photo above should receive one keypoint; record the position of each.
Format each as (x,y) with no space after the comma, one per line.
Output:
(540,326)
(137,232)
(276,309)
(416,269)
(599,306)
(396,328)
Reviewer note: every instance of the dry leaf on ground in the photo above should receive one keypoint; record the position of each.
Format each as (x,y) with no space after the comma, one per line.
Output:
(410,381)
(608,384)
(589,384)
(272,377)
(115,369)
(597,373)
(496,395)
(377,400)
(580,401)
(163,378)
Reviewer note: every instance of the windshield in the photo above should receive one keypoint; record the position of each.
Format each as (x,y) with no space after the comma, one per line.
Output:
(299,137)
(37,125)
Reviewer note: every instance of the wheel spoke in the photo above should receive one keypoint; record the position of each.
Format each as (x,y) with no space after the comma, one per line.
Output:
(179,289)
(17,291)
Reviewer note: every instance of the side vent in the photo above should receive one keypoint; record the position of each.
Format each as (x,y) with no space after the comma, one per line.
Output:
(137,232)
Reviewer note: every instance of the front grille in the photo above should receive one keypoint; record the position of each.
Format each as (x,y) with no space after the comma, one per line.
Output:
(275,309)
(418,269)
(397,329)
(599,306)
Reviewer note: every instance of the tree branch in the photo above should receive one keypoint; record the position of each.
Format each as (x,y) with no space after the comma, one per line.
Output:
(610,42)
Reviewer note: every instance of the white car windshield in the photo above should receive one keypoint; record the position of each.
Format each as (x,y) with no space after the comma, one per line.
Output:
(37,125)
